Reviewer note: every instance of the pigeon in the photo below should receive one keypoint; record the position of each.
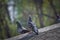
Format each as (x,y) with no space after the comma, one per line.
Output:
(32,25)
(20,28)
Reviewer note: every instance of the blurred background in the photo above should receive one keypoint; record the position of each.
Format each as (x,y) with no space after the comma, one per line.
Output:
(43,13)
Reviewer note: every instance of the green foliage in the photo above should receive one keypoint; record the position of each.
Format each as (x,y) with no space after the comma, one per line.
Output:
(13,30)
(29,6)
(57,5)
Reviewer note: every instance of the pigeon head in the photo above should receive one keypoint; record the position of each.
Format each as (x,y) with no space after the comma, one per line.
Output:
(30,18)
(18,24)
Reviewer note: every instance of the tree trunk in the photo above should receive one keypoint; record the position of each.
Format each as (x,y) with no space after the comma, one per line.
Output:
(54,9)
(3,20)
(39,4)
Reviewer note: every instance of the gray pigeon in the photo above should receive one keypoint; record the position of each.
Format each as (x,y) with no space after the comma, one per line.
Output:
(20,28)
(32,25)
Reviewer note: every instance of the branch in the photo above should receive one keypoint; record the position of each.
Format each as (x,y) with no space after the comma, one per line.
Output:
(27,36)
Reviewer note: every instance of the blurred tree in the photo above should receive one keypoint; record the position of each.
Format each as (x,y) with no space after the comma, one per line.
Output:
(5,33)
(54,9)
(39,9)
